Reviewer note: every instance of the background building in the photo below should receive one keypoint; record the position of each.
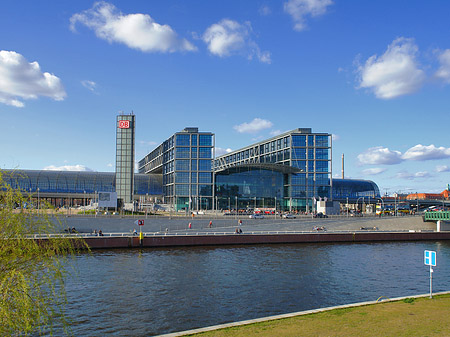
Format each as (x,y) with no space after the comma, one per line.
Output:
(125,135)
(185,162)
(289,172)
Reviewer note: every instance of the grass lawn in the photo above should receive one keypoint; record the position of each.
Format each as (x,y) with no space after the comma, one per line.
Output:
(410,317)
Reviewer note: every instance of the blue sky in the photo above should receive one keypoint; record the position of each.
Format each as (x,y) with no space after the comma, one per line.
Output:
(375,74)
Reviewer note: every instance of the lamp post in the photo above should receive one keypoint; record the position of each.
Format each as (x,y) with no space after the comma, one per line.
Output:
(236,206)
(38,200)
(275,214)
(84,202)
(254,208)
(229,206)
(357,200)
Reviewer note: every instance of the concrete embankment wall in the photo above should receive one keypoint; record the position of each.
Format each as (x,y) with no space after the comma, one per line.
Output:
(242,239)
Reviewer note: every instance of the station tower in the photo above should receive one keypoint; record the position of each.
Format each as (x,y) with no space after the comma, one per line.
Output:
(125,145)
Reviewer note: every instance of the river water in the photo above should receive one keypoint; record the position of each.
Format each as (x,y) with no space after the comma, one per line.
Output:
(154,291)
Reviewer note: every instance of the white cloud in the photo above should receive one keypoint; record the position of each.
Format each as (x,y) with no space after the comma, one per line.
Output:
(21,80)
(147,143)
(67,168)
(335,137)
(430,152)
(265,10)
(137,31)
(275,133)
(90,85)
(379,155)
(374,171)
(395,73)
(228,37)
(444,70)
(411,176)
(256,125)
(300,9)
(442,168)
(220,151)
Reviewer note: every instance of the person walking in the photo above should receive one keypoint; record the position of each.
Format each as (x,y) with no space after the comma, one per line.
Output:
(210,224)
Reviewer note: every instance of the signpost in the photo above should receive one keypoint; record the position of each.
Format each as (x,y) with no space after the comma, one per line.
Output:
(140,223)
(430,260)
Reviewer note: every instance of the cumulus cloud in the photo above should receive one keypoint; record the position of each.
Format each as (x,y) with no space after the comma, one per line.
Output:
(21,80)
(374,171)
(221,151)
(137,31)
(382,155)
(443,72)
(67,168)
(335,137)
(395,73)
(379,155)
(442,168)
(300,9)
(411,176)
(430,152)
(256,125)
(90,85)
(228,37)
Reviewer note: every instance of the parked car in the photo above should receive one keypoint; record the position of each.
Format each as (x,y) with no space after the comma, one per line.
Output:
(320,215)
(256,216)
(289,216)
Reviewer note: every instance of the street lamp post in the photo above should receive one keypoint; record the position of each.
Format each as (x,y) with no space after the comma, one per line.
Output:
(236,205)
(38,200)
(84,202)
(275,214)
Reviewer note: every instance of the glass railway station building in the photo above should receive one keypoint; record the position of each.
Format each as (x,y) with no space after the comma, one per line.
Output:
(288,172)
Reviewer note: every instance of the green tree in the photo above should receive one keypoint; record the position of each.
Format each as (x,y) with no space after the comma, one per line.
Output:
(33,267)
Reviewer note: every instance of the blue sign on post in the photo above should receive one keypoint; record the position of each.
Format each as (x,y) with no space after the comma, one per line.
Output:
(430,258)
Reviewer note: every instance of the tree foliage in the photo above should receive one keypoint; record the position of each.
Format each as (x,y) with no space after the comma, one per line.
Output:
(33,267)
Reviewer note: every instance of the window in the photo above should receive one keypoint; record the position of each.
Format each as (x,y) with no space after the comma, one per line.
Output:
(205,152)
(298,140)
(204,165)
(194,140)
(204,178)
(322,141)
(205,140)
(182,165)
(182,152)
(182,177)
(183,140)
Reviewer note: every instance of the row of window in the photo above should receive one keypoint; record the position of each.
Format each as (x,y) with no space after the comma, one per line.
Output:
(310,140)
(200,177)
(191,139)
(193,152)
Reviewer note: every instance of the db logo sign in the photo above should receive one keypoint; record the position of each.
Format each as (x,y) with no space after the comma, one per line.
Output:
(124,124)
(140,222)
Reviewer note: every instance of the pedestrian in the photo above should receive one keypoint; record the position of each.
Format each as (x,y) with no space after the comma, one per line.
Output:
(240,222)
(190,225)
(210,224)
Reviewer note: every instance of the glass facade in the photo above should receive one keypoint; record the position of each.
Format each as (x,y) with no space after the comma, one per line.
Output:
(309,153)
(185,161)
(67,183)
(354,189)
(125,134)
(249,187)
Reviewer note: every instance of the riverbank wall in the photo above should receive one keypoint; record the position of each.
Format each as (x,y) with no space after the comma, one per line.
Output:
(102,242)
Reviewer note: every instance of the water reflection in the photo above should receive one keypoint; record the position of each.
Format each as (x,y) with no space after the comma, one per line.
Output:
(153,291)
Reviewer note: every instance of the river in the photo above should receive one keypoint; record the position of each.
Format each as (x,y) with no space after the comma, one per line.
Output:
(154,291)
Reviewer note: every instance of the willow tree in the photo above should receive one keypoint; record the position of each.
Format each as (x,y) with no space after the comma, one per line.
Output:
(32,270)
